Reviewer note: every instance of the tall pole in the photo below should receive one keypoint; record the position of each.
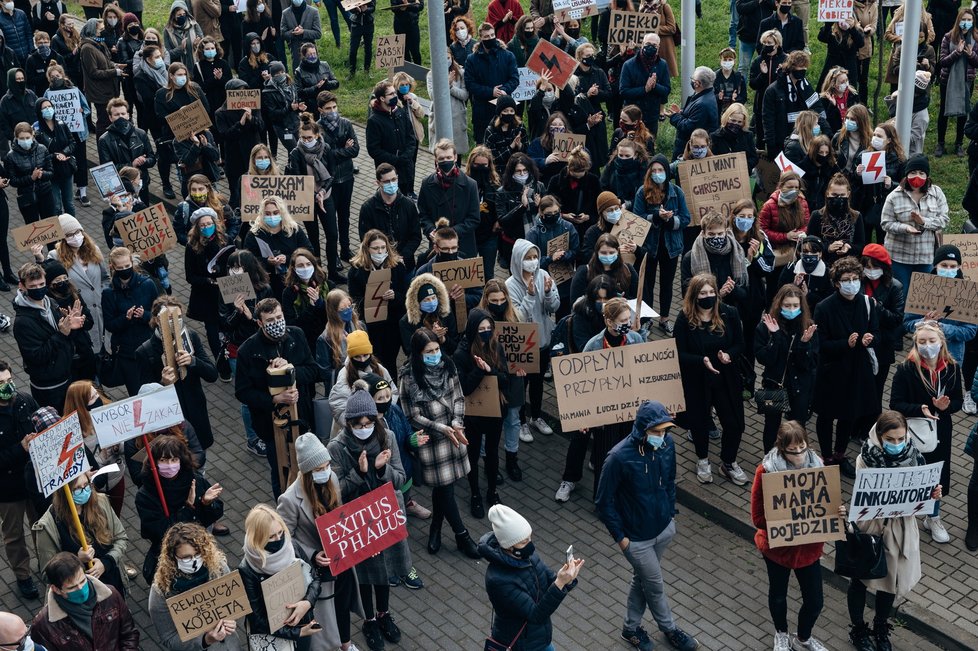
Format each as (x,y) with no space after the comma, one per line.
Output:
(908,68)
(441,103)
(688,47)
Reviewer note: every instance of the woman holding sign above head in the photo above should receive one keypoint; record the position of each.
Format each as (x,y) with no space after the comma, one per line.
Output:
(189,558)
(274,235)
(889,445)
(365,456)
(268,549)
(791,452)
(928,386)
(56,531)
(314,493)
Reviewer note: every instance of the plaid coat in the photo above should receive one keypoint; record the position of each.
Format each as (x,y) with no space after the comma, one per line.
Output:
(442,464)
(906,247)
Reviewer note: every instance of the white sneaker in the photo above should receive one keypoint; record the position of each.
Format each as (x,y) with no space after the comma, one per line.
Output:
(938,533)
(352,647)
(541,426)
(564,491)
(969,406)
(782,642)
(811,644)
(734,473)
(525,434)
(703,471)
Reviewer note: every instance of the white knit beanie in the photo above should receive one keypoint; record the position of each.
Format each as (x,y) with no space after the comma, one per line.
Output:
(509,526)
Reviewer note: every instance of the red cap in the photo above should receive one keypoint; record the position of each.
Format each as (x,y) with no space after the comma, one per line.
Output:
(877,252)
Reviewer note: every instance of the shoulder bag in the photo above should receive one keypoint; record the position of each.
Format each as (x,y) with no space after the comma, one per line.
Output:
(860,556)
(775,401)
(495,645)
(924,433)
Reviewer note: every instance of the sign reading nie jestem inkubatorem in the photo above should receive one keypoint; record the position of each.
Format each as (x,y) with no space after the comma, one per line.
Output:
(802,506)
(894,492)
(147,233)
(43,231)
(361,528)
(521,341)
(127,419)
(198,610)
(951,298)
(608,386)
(714,184)
(298,193)
(58,454)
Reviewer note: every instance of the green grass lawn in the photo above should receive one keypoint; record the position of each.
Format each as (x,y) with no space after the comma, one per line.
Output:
(950,172)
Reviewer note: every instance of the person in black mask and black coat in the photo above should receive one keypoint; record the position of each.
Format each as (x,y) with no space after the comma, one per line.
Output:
(312,76)
(390,135)
(343,147)
(17,104)
(30,170)
(241,130)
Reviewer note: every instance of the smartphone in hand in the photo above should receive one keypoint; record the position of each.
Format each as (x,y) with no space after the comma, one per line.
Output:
(570,554)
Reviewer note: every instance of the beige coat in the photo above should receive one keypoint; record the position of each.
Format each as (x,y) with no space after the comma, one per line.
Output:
(867,13)
(667,29)
(901,542)
(207,13)
(891,36)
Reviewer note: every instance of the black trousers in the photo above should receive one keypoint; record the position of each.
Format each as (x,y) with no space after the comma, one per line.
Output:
(810,582)
(383,593)
(942,119)
(665,267)
(51,397)
(412,39)
(856,599)
(476,428)
(4,225)
(344,597)
(443,507)
(843,430)
(342,197)
(357,34)
(328,219)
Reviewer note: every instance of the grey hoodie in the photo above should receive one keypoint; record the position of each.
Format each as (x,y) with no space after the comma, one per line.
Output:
(46,309)
(539,308)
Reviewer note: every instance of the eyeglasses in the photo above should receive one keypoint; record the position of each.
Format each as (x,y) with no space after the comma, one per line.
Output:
(18,645)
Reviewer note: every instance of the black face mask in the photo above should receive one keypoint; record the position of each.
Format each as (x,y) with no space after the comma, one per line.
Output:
(361,365)
(446,257)
(37,293)
(489,44)
(784,9)
(275,546)
(588,61)
(61,288)
(383,407)
(649,51)
(799,74)
(95,405)
(707,302)
(573,33)
(549,218)
(809,263)
(524,553)
(498,311)
(124,274)
(735,128)
(446,166)
(838,205)
(507,118)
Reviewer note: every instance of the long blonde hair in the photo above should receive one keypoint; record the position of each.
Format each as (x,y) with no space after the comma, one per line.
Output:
(186,533)
(691,309)
(914,357)
(91,513)
(258,524)
(289,225)
(254,171)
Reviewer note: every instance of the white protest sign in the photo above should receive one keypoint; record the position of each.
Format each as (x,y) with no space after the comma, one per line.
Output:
(68,108)
(834,11)
(874,167)
(785,165)
(894,492)
(127,419)
(527,87)
(58,454)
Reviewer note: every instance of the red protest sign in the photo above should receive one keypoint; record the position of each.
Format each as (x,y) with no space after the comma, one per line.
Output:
(547,57)
(359,529)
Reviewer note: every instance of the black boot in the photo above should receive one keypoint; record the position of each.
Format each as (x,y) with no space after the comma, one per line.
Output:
(513,467)
(500,480)
(492,498)
(861,637)
(881,632)
(476,507)
(434,539)
(466,545)
(971,538)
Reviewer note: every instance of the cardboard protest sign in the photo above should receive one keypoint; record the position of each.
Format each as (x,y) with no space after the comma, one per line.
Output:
(629,27)
(198,610)
(968,244)
(561,272)
(68,108)
(243,98)
(298,193)
(232,286)
(565,10)
(484,401)
(107,180)
(951,298)
(374,305)
(94,4)
(148,233)
(714,184)
(361,528)
(894,492)
(464,273)
(521,341)
(834,11)
(548,57)
(874,164)
(802,506)
(644,311)
(786,165)
(608,386)
(286,587)
(43,231)
(631,229)
(188,120)
(58,454)
(413,69)
(350,5)
(527,88)
(127,419)
(390,51)
(564,143)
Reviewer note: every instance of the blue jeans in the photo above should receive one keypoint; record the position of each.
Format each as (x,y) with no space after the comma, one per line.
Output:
(903,271)
(733,23)
(64,194)
(245,412)
(511,429)
(746,56)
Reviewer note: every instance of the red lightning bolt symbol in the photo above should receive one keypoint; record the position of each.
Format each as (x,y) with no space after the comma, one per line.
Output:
(137,408)
(874,165)
(66,454)
(530,340)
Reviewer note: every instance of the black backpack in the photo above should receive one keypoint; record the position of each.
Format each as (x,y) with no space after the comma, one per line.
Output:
(562,337)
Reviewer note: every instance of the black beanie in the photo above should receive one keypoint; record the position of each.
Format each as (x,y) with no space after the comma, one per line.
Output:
(505,102)
(947,252)
(917,163)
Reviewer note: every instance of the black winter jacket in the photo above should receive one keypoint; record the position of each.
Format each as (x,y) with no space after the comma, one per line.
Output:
(13,457)
(341,157)
(391,139)
(459,203)
(750,13)
(399,220)
(122,143)
(165,105)
(724,141)
(235,326)
(128,334)
(203,76)
(16,107)
(307,78)
(21,163)
(258,619)
(46,352)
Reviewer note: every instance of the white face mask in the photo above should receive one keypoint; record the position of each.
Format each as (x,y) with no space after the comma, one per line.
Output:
(530,266)
(305,272)
(322,476)
(190,565)
(235,271)
(378,258)
(877,143)
(727,65)
(843,86)
(873,274)
(75,241)
(365,433)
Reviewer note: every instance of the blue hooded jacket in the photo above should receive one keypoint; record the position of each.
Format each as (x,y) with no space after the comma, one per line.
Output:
(637,492)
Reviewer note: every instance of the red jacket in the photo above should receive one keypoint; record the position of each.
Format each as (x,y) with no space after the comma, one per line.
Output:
(770,223)
(505,30)
(112,625)
(790,557)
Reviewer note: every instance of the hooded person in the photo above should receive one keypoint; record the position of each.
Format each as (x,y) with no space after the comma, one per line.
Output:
(427,305)
(64,295)
(99,75)
(240,135)
(277,96)
(9,61)
(17,104)
(541,305)
(181,34)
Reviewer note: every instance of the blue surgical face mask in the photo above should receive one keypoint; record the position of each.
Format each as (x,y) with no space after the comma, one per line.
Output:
(346,314)
(47,112)
(208,231)
(790,314)
(431,359)
(25,143)
(80,595)
(965,25)
(816,130)
(609,259)
(180,81)
(947,273)
(698,152)
(390,189)
(612,216)
(894,449)
(743,224)
(210,54)
(851,125)
(263,163)
(429,307)
(655,440)
(849,287)
(81,496)
(305,273)
(272,220)
(404,89)
(659,177)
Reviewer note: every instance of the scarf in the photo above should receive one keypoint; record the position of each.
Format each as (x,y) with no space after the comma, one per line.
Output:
(331,121)
(314,162)
(700,260)
(874,456)
(958,101)
(80,614)
(802,90)
(436,381)
(356,446)
(274,563)
(183,582)
(175,490)
(286,88)
(774,462)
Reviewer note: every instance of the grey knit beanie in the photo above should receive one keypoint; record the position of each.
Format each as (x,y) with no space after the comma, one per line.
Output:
(310,452)
(360,403)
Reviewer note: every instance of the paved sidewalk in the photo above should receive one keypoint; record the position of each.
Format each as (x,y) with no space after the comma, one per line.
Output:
(717,579)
